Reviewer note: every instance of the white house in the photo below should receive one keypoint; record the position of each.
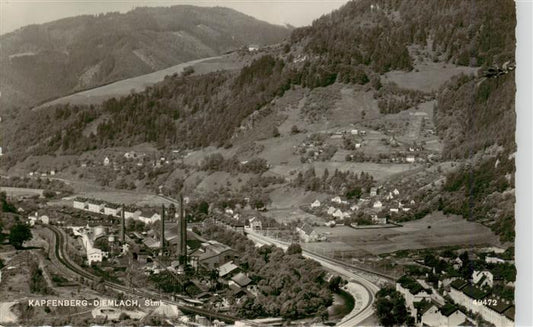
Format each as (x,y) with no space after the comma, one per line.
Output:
(96,206)
(80,203)
(315,204)
(482,278)
(393,210)
(132,213)
(373,191)
(94,255)
(336,199)
(495,260)
(354,132)
(410,159)
(307,233)
(44,219)
(112,209)
(339,214)
(106,161)
(255,223)
(331,210)
(396,192)
(149,216)
(412,291)
(377,205)
(446,316)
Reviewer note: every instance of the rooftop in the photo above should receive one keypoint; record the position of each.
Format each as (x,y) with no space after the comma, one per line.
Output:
(241,279)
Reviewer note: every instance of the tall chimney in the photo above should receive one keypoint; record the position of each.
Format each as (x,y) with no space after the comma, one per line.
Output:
(122,225)
(162,228)
(182,232)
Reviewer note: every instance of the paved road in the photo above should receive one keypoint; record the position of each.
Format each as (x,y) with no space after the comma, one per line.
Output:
(360,288)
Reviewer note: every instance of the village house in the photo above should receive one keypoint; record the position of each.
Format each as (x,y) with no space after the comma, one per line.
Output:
(339,214)
(393,210)
(447,315)
(410,159)
(412,291)
(238,281)
(112,209)
(149,216)
(396,192)
(80,203)
(336,199)
(377,205)
(315,204)
(373,191)
(106,161)
(255,223)
(307,233)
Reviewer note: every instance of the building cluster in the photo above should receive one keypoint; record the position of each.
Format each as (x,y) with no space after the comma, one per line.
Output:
(146,215)
(448,300)
(377,206)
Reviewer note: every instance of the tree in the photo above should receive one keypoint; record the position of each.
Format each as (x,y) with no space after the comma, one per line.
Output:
(390,308)
(294,248)
(19,234)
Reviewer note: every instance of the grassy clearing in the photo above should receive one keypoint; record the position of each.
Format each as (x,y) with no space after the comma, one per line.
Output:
(443,231)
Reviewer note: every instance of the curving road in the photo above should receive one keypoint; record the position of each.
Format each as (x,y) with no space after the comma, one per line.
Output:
(360,288)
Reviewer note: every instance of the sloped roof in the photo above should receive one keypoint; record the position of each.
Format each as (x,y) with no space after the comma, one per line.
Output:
(498,304)
(448,309)
(226,268)
(241,279)
(459,284)
(307,229)
(509,313)
(474,292)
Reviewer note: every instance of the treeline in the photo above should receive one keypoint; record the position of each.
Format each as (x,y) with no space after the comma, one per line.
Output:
(289,285)
(38,183)
(393,99)
(348,183)
(377,32)
(217,162)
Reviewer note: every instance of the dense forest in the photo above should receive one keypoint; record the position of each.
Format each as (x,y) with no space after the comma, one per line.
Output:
(290,285)
(351,45)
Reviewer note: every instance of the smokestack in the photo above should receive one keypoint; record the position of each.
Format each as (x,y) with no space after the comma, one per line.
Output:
(182,232)
(162,228)
(122,225)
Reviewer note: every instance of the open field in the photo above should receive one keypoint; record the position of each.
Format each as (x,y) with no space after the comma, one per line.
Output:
(139,83)
(444,231)
(427,76)
(20,191)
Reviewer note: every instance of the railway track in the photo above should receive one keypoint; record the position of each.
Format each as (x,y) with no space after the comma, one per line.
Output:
(63,259)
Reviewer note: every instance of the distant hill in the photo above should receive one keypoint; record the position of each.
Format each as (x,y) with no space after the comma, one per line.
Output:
(40,62)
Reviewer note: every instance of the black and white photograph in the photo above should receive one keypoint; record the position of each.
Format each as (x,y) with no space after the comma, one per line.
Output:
(265,163)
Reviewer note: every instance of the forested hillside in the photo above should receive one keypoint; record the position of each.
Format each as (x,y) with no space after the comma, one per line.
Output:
(40,62)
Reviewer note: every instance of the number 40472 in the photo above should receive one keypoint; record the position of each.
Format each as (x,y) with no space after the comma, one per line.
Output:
(490,302)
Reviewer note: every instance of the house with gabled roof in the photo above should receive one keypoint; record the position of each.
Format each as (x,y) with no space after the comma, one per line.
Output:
(307,233)
(227,269)
(149,216)
(447,315)
(412,291)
